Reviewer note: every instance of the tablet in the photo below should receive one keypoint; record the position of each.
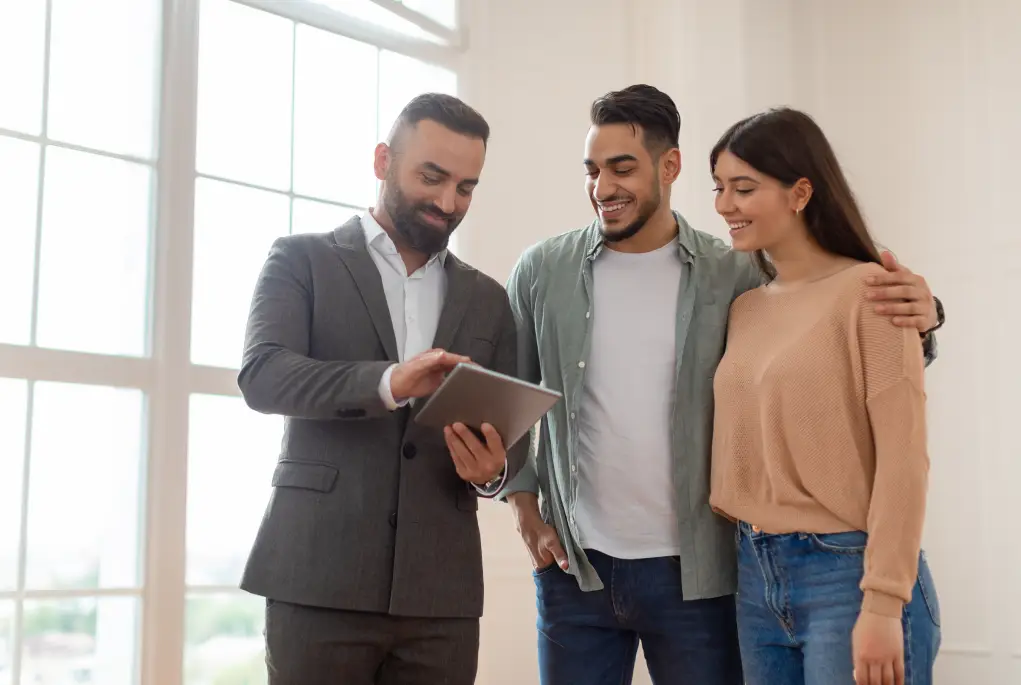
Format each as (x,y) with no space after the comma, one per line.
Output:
(473,395)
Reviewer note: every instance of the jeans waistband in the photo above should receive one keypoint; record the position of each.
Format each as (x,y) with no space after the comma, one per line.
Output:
(748,529)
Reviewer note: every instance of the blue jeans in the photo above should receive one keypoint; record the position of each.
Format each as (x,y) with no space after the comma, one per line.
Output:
(797,603)
(592,638)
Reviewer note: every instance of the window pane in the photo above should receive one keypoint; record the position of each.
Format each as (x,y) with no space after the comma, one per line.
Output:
(82,641)
(13,401)
(371,13)
(84,461)
(309,216)
(227,443)
(234,229)
(22,48)
(402,78)
(244,109)
(334,117)
(223,640)
(443,11)
(103,73)
(93,281)
(19,183)
(6,642)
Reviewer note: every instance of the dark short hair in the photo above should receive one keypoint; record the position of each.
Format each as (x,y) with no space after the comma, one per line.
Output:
(641,106)
(788,145)
(446,110)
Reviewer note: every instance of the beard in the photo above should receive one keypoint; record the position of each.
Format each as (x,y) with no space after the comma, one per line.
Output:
(409,225)
(645,211)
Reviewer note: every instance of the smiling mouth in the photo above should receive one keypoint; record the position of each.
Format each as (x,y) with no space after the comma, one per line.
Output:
(433,219)
(611,210)
(738,225)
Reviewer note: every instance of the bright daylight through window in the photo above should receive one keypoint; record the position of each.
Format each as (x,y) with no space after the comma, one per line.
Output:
(150,152)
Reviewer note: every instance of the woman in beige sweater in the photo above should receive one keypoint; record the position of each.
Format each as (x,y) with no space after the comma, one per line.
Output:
(819,450)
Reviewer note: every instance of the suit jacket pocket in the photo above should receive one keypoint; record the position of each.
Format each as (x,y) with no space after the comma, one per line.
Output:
(482,351)
(467,498)
(307,475)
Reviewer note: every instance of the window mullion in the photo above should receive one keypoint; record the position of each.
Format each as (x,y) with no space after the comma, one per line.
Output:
(164,590)
(42,174)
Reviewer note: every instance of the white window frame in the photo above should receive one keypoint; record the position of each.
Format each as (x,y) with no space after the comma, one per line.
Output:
(167,377)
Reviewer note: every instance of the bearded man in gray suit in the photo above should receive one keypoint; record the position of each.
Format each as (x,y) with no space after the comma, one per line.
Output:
(369,553)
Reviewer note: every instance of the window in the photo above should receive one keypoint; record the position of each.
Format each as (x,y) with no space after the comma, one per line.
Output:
(286,132)
(146,170)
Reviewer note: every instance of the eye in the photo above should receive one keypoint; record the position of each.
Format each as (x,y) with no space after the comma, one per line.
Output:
(431,180)
(718,190)
(464,191)
(624,172)
(745,191)
(592,173)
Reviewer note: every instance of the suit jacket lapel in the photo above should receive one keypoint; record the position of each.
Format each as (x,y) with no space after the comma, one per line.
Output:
(460,288)
(354,253)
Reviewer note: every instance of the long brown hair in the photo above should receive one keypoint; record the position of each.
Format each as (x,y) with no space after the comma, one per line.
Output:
(788,145)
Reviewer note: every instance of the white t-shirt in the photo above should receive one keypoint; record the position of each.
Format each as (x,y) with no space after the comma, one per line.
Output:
(626,505)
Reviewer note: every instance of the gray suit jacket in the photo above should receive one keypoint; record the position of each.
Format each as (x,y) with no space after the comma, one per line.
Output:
(367,512)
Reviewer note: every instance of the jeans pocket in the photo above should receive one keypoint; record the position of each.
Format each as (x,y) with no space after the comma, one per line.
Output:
(851,542)
(536,572)
(928,587)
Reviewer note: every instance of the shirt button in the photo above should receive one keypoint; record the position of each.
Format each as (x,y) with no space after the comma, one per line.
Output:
(574,468)
(573,414)
(581,365)
(588,315)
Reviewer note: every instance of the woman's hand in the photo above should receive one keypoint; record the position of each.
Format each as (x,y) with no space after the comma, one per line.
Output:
(878,648)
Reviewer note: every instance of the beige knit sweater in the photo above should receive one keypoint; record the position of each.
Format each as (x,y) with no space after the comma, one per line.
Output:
(820,425)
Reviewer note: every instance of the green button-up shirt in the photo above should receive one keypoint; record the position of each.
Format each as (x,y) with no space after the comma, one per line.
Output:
(550,291)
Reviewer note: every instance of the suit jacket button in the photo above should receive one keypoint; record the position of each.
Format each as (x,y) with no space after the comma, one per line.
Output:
(393,520)
(409,450)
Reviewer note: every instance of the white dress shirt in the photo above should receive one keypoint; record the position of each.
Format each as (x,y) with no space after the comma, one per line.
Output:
(415,302)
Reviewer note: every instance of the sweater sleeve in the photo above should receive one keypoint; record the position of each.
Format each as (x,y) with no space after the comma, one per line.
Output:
(893,365)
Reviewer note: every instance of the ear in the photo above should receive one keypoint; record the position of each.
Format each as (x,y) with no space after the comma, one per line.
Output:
(381,161)
(801,194)
(670,166)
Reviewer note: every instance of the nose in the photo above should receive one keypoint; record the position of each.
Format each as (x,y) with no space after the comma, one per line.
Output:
(447,201)
(603,188)
(724,204)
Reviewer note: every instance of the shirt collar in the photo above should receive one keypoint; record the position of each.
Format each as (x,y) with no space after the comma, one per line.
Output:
(375,236)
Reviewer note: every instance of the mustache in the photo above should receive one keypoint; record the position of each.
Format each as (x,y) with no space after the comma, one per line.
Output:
(436,212)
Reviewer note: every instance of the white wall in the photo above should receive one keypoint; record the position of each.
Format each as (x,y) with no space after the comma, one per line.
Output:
(926,122)
(922,100)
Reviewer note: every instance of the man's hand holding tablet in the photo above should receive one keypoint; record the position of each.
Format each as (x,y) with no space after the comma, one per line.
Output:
(476,461)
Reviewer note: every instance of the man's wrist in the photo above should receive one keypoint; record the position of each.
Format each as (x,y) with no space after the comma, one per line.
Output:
(494,484)
(525,505)
(386,390)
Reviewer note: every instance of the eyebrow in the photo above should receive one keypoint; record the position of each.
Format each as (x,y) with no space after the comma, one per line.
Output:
(619,159)
(437,169)
(735,179)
